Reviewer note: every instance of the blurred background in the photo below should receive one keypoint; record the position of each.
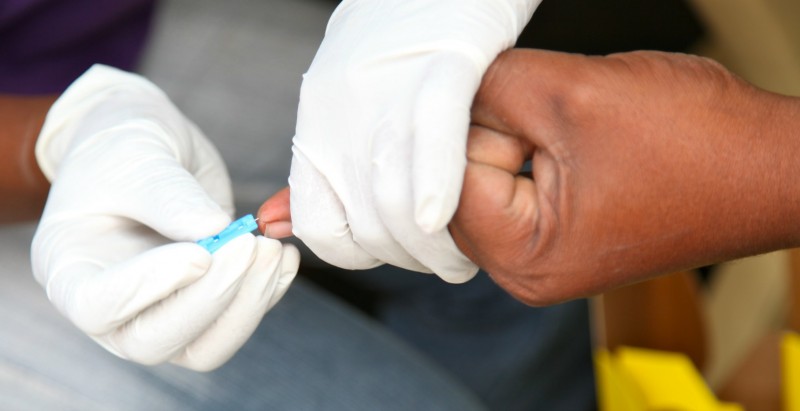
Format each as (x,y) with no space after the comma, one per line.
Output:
(235,68)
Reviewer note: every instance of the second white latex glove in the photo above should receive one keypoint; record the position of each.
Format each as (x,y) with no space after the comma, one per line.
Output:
(130,175)
(380,150)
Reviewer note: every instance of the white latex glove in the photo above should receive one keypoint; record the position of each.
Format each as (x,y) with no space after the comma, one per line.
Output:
(131,175)
(380,149)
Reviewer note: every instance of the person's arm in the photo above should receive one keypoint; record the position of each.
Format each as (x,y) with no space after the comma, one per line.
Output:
(643,163)
(23,187)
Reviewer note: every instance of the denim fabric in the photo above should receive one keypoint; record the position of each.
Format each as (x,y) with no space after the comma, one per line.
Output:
(514,357)
(311,352)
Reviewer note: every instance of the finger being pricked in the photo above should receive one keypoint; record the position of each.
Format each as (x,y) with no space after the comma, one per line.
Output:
(275,220)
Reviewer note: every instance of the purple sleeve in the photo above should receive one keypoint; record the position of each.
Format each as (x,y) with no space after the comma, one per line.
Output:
(46,44)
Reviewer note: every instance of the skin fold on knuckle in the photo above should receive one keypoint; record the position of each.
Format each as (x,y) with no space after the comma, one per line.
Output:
(494,148)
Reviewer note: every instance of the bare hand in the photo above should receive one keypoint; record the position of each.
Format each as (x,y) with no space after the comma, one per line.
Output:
(643,163)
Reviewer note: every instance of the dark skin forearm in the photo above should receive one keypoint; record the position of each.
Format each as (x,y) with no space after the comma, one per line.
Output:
(23,187)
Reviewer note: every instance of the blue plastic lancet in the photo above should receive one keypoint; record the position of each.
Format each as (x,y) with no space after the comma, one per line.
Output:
(241,226)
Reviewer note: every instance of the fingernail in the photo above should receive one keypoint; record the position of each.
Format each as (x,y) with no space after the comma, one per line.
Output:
(278,229)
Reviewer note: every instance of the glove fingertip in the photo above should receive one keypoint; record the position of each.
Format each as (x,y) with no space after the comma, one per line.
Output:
(291,260)
(202,363)
(430,215)
(289,263)
(436,199)
(459,276)
(193,257)
(441,125)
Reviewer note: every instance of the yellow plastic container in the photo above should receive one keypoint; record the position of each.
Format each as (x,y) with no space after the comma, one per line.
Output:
(790,354)
(636,379)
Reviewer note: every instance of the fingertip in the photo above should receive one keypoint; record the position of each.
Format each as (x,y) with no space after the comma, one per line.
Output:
(262,226)
(429,214)
(199,363)
(275,208)
(436,197)
(437,189)
(441,125)
(291,259)
(290,262)
(288,254)
(199,258)
(277,230)
(268,246)
(459,276)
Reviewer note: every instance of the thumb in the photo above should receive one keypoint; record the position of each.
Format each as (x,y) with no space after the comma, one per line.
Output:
(441,122)
(150,185)
(180,208)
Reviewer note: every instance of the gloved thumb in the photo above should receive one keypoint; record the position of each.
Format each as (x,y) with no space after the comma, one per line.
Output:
(148,184)
(441,119)
(178,207)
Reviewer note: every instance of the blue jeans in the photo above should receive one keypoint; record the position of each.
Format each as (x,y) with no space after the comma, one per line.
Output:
(311,352)
(514,357)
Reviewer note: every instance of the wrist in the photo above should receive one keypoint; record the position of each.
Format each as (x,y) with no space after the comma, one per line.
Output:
(22,184)
(764,172)
(782,120)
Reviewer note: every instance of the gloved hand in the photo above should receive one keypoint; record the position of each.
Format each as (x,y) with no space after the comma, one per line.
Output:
(379,154)
(130,175)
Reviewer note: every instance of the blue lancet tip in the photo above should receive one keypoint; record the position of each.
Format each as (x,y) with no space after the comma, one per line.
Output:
(241,226)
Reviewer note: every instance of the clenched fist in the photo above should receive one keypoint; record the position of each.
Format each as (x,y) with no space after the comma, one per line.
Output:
(642,163)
